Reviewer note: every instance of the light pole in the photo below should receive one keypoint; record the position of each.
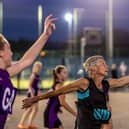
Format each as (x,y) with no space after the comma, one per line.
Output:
(68,18)
(1,16)
(40,16)
(110,13)
(109,44)
(77,12)
(83,44)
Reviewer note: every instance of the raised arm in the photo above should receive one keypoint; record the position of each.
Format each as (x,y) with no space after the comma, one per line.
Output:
(123,81)
(34,51)
(80,84)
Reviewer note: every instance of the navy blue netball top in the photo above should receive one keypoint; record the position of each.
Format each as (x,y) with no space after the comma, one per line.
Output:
(7,92)
(92,108)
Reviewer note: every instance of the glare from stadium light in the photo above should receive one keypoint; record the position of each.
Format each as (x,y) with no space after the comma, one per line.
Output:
(68,17)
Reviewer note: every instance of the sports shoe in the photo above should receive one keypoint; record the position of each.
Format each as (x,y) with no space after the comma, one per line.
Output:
(32,127)
(20,126)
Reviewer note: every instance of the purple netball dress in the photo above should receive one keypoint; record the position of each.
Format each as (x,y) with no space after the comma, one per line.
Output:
(51,119)
(35,85)
(7,96)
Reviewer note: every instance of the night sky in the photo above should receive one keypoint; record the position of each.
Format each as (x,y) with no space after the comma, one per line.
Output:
(20,16)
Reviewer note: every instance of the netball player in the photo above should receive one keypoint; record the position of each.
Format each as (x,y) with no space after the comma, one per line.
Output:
(8,69)
(92,92)
(30,113)
(51,119)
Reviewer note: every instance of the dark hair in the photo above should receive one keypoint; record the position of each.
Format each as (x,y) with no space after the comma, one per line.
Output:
(57,70)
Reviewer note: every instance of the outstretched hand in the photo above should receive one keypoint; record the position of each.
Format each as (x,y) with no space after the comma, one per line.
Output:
(28,102)
(49,25)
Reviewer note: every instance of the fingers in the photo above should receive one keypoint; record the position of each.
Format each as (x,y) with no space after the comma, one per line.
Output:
(28,102)
(25,100)
(49,22)
(49,25)
(24,106)
(53,26)
(50,19)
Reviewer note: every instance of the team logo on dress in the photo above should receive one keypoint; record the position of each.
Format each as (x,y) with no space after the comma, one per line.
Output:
(8,98)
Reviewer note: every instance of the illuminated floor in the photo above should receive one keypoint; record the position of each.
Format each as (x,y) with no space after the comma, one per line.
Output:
(119,101)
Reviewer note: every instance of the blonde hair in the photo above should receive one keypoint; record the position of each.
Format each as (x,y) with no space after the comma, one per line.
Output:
(37,64)
(91,61)
(2,41)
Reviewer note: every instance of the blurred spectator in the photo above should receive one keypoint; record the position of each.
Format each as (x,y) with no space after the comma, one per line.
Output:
(114,71)
(123,68)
